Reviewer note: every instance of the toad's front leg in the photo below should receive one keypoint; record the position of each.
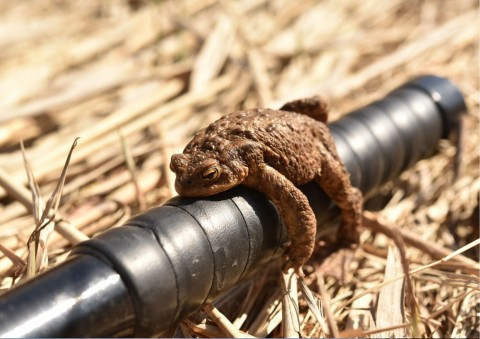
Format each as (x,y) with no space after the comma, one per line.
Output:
(293,208)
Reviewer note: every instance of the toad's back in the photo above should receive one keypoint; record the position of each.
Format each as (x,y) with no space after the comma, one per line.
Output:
(290,142)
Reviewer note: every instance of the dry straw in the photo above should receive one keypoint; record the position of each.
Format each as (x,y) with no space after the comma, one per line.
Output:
(155,72)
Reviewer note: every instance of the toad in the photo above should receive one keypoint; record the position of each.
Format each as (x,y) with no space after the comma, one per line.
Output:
(273,151)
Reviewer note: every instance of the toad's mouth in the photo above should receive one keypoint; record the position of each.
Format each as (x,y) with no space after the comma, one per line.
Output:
(204,191)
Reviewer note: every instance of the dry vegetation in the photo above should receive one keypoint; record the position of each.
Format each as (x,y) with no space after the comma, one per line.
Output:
(135,79)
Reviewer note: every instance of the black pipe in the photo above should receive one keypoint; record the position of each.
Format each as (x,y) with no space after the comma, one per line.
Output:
(140,279)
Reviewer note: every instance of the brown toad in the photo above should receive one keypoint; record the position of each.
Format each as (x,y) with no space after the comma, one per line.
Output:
(273,151)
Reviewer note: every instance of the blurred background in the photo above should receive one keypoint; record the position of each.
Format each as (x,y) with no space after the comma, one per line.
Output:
(135,79)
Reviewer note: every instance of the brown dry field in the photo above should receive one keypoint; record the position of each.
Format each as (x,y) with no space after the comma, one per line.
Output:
(135,79)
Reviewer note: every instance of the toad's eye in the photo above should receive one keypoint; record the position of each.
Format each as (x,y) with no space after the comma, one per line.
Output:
(211,174)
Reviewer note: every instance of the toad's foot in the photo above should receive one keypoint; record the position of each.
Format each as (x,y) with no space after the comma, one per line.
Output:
(294,261)
(349,232)
(293,208)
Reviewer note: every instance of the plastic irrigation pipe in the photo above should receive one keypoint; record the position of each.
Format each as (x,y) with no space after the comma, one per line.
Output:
(142,278)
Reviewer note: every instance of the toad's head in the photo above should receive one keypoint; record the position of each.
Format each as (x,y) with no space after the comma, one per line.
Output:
(204,173)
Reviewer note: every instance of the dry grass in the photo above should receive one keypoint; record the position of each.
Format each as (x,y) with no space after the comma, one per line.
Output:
(134,84)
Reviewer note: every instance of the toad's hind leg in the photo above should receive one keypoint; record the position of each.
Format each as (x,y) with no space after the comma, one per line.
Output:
(335,181)
(315,107)
(294,210)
